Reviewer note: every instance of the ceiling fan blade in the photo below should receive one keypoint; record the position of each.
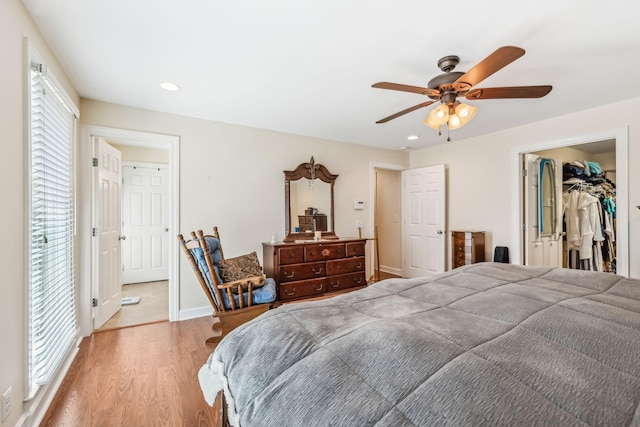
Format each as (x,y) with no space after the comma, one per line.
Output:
(407,88)
(509,92)
(403,112)
(499,59)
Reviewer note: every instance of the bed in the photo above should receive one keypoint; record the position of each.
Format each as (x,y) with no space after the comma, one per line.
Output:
(487,344)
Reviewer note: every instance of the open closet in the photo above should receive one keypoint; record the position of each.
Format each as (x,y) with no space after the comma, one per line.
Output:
(570,207)
(589,212)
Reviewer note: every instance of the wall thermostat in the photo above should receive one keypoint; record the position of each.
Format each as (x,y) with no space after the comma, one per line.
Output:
(358,205)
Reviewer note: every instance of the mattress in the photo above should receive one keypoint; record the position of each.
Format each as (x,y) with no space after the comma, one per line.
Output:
(487,344)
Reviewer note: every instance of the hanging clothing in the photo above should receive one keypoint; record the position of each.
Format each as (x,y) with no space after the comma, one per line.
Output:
(589,223)
(572,220)
(589,214)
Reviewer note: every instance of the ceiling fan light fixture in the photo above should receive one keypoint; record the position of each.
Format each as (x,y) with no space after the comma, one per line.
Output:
(431,123)
(437,117)
(454,122)
(466,113)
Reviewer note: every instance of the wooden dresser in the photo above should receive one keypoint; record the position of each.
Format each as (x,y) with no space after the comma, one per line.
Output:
(467,247)
(310,269)
(306,222)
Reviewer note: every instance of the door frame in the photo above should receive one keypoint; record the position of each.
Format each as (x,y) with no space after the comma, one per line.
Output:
(87,205)
(621,136)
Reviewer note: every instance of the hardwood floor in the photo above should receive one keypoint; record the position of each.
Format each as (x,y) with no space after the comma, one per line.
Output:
(140,376)
(381,275)
(384,275)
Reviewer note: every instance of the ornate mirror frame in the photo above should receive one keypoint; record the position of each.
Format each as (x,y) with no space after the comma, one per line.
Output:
(309,171)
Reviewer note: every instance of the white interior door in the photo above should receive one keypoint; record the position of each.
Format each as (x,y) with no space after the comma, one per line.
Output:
(424,218)
(144,223)
(541,251)
(108,199)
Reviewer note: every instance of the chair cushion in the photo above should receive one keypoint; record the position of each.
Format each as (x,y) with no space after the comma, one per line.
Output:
(263,295)
(241,267)
(213,245)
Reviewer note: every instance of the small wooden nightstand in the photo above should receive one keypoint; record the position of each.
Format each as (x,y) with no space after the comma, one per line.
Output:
(467,247)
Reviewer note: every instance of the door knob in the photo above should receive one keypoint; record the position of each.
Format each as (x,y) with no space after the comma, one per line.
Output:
(439,231)
(166,229)
(122,237)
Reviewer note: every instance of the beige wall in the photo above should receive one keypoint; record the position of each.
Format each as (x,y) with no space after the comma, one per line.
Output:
(480,175)
(389,219)
(232,176)
(141,154)
(15,25)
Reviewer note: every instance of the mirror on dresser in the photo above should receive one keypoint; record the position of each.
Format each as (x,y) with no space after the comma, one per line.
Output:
(308,191)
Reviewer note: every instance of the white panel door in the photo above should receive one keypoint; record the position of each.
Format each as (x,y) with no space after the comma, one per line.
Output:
(144,224)
(424,221)
(541,251)
(108,197)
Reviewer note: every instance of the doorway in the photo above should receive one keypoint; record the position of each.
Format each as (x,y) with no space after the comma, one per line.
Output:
(388,222)
(90,268)
(609,147)
(386,217)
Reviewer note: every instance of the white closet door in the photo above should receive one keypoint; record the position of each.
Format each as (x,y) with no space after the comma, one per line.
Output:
(144,224)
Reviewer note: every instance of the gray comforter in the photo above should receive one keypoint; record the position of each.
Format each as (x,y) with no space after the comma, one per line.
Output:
(483,345)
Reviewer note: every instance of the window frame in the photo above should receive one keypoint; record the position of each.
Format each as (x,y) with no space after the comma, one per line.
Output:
(36,395)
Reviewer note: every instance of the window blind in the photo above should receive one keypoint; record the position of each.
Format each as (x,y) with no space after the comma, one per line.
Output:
(52,317)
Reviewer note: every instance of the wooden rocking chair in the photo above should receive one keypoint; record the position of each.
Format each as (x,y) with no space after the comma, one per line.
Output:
(233,302)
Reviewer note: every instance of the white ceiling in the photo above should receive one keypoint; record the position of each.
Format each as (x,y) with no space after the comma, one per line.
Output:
(306,67)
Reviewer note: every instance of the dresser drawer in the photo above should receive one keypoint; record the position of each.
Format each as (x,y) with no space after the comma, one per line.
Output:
(290,255)
(302,288)
(291,272)
(355,249)
(344,281)
(324,251)
(305,220)
(346,265)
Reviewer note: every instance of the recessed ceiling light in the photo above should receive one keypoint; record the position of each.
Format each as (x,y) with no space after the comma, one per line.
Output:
(169,86)
(413,137)
(404,147)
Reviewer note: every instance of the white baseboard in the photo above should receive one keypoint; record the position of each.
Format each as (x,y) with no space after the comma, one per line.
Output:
(192,313)
(391,270)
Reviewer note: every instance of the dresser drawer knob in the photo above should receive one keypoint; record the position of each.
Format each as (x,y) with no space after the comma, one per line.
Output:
(319,288)
(358,280)
(289,276)
(336,284)
(290,292)
(317,273)
(359,265)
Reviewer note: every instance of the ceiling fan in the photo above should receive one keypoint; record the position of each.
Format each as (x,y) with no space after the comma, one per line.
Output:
(450,85)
